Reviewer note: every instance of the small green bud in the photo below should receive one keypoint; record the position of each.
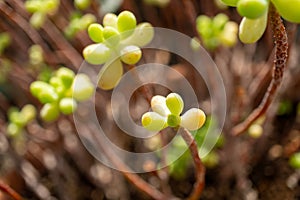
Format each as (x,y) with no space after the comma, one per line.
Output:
(219,21)
(67,105)
(229,35)
(295,160)
(43,91)
(37,86)
(50,6)
(49,112)
(28,112)
(17,118)
(33,6)
(66,75)
(111,35)
(252,9)
(48,95)
(110,19)
(37,19)
(158,105)
(96,54)
(131,54)
(175,103)
(36,55)
(85,21)
(55,82)
(288,9)
(83,88)
(13,130)
(82,4)
(95,32)
(153,121)
(204,26)
(126,22)
(193,119)
(142,35)
(173,120)
(251,30)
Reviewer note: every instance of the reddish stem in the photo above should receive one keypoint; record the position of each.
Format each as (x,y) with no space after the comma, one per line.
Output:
(200,169)
(8,190)
(281,54)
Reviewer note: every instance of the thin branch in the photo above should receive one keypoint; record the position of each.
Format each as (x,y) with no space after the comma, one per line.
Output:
(144,89)
(200,169)
(164,173)
(136,180)
(8,190)
(281,54)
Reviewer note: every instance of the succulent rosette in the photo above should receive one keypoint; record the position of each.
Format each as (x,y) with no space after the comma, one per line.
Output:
(166,111)
(118,40)
(61,93)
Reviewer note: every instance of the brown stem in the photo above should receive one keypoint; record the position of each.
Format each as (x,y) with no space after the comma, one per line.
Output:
(200,169)
(281,52)
(144,89)
(8,190)
(125,170)
(164,173)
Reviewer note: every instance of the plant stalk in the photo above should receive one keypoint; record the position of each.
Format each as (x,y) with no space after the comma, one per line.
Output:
(200,169)
(281,55)
(8,190)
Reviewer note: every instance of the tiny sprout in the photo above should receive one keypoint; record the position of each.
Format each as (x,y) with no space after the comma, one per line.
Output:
(252,9)
(131,54)
(50,112)
(111,36)
(288,9)
(295,160)
(173,120)
(40,9)
(153,121)
(66,76)
(193,119)
(61,93)
(82,4)
(83,88)
(216,31)
(251,30)
(36,55)
(110,20)
(5,41)
(95,32)
(13,129)
(158,105)
(175,103)
(67,105)
(78,23)
(96,53)
(19,119)
(166,112)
